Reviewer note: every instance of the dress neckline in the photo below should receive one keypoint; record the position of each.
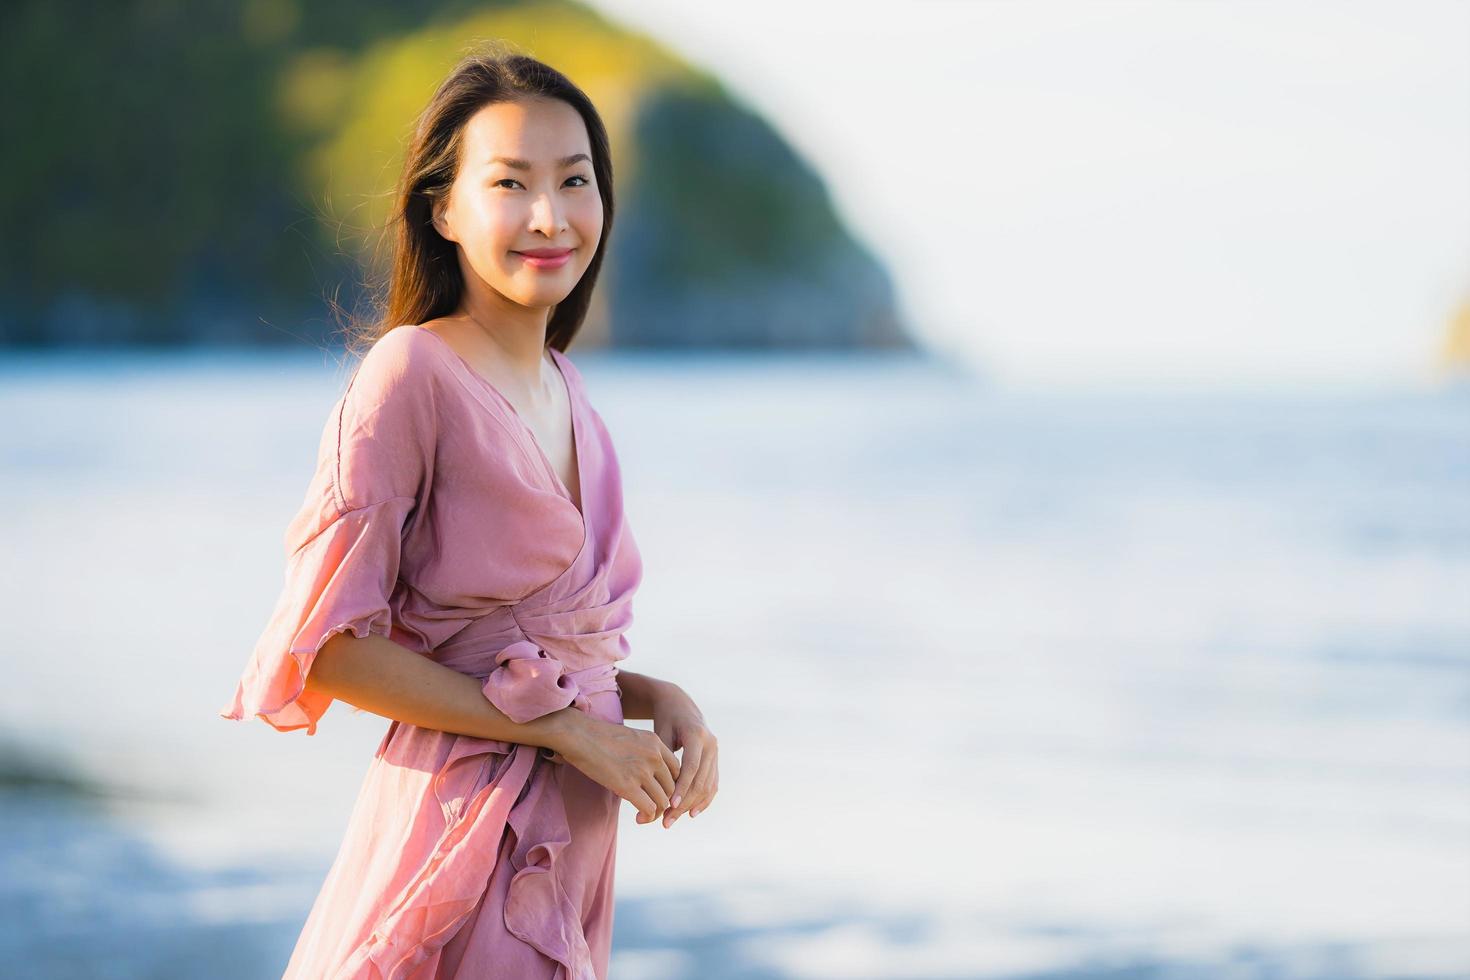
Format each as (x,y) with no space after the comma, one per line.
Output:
(580,503)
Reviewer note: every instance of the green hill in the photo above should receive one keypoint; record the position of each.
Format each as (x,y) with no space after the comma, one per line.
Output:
(212,172)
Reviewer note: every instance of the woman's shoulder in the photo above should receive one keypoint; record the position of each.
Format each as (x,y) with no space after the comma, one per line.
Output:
(402,365)
(383,434)
(400,354)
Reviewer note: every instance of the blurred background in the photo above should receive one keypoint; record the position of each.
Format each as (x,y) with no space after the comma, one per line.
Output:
(1046,427)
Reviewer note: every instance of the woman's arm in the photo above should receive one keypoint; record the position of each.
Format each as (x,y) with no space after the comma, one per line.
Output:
(639,692)
(388,679)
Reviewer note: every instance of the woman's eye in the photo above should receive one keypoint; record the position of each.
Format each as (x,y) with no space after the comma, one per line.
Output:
(512,180)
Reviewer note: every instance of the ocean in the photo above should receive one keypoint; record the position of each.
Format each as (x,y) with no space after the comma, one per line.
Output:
(1041,682)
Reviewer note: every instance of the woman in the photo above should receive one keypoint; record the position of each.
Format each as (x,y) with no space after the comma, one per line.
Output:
(462,565)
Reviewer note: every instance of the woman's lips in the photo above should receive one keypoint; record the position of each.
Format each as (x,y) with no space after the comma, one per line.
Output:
(546,259)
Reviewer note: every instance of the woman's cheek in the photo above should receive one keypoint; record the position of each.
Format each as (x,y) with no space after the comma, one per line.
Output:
(496,243)
(500,234)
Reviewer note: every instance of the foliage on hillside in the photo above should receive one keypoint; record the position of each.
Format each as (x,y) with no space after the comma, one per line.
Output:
(212,171)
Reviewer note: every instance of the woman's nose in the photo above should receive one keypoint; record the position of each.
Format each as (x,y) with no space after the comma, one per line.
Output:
(546,216)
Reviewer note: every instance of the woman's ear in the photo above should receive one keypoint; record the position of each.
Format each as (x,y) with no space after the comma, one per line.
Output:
(441,220)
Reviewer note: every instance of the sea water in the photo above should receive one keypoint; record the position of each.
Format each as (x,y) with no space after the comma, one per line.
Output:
(1008,682)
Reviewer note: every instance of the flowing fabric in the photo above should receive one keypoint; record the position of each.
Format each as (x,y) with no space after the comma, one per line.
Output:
(434,518)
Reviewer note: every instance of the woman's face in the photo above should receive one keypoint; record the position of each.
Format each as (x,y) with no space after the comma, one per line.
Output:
(525,183)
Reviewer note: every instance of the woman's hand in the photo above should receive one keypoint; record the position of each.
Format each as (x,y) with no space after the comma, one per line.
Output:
(632,762)
(679,723)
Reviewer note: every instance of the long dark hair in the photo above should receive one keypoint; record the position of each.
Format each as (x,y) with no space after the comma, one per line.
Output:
(424,281)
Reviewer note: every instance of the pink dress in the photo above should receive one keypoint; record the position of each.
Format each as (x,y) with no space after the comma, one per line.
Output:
(435,519)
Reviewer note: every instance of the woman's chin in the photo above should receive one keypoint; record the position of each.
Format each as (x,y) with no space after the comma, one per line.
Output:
(542,294)
(539,298)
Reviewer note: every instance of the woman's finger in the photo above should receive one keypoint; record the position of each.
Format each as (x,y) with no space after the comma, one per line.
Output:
(670,759)
(702,783)
(658,794)
(711,789)
(644,804)
(694,793)
(667,775)
(690,768)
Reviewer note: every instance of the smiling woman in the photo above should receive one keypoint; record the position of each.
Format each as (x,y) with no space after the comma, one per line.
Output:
(520,216)
(462,565)
(506,145)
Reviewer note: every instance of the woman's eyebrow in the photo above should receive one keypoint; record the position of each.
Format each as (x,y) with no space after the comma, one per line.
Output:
(519,164)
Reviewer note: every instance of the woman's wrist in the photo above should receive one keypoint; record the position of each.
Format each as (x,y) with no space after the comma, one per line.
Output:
(641,694)
(664,691)
(563,727)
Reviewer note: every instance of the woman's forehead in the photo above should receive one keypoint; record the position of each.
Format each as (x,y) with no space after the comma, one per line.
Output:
(541,132)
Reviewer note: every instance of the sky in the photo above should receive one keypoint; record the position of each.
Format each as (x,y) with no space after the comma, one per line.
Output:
(1191,192)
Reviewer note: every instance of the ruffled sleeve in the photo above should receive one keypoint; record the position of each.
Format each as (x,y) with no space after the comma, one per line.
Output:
(344,545)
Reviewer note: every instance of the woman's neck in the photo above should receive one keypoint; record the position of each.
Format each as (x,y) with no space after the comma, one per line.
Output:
(518,333)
